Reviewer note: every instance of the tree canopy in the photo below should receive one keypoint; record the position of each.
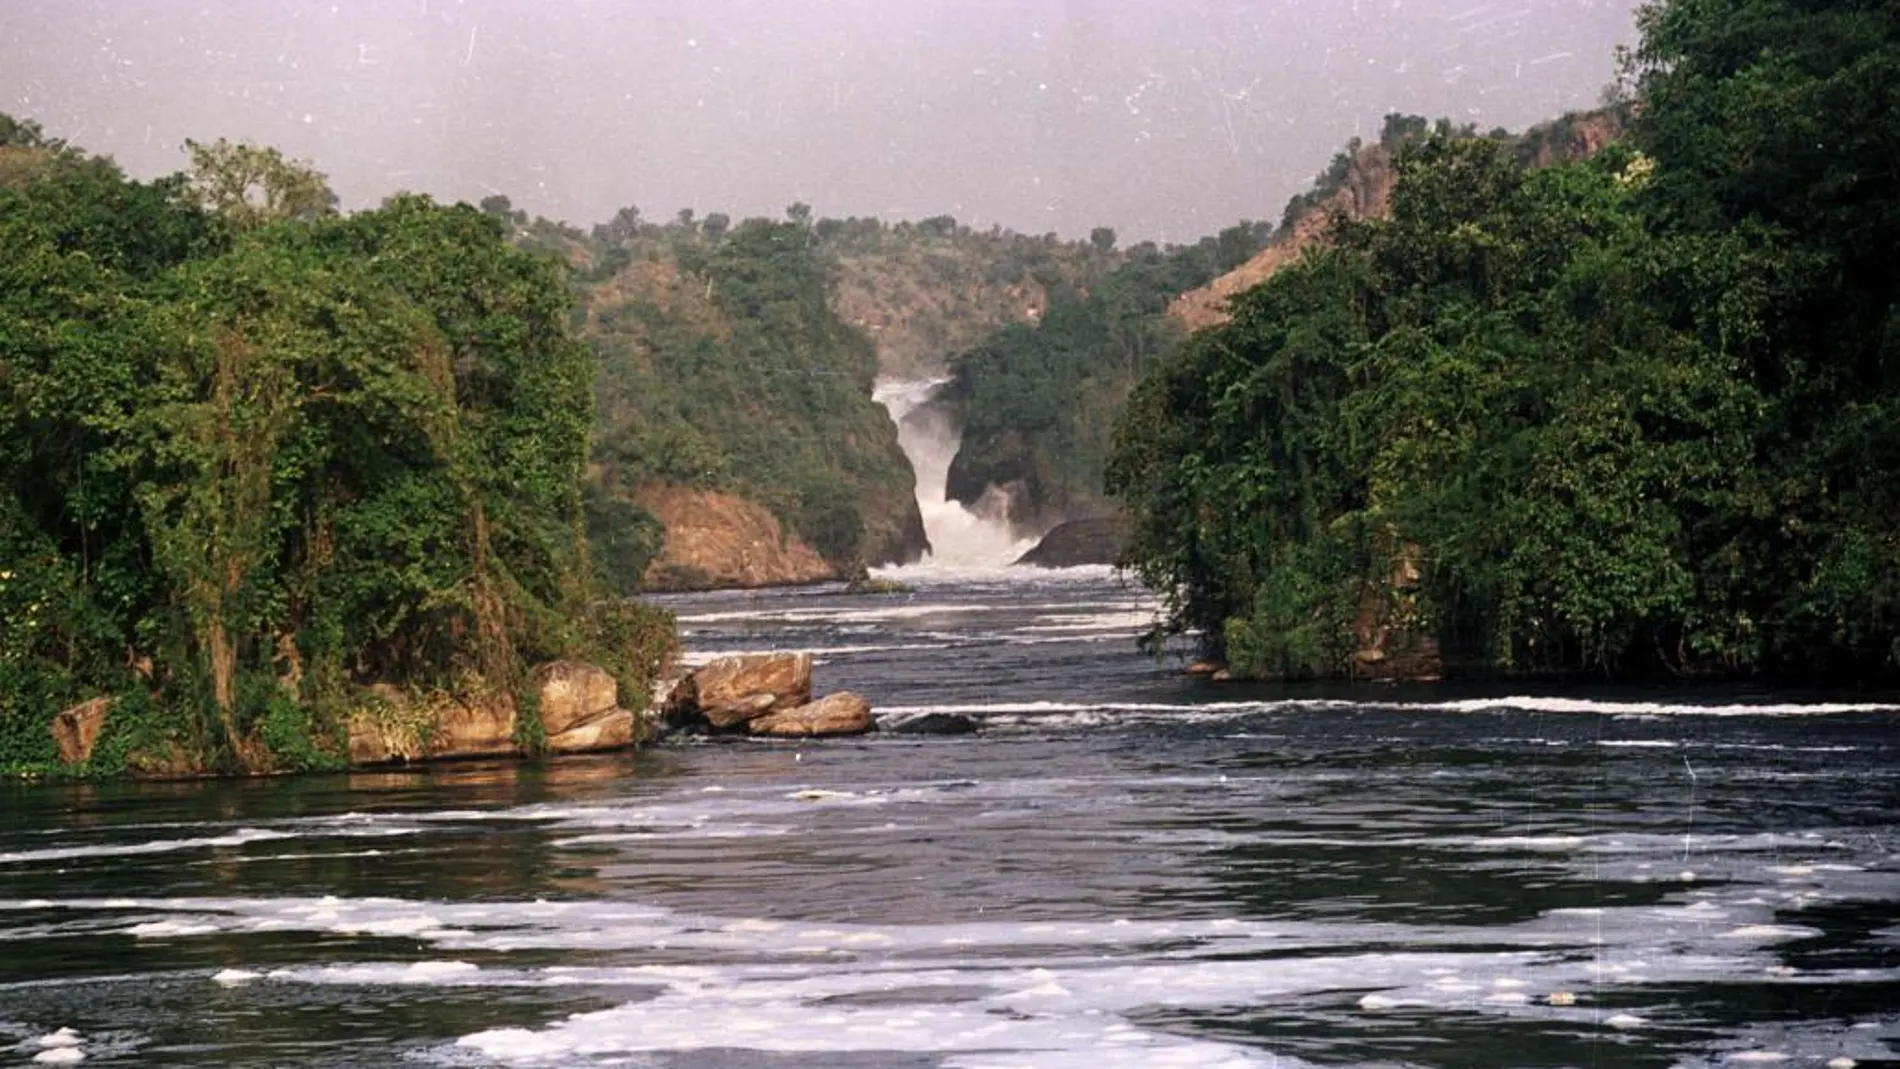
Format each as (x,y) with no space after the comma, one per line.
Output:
(256,459)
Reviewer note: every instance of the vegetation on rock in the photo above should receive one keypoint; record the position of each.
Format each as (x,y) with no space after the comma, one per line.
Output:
(256,458)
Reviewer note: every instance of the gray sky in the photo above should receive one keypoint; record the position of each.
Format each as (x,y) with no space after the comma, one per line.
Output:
(1163,118)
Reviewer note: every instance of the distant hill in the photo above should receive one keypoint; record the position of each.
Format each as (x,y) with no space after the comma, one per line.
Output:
(924,291)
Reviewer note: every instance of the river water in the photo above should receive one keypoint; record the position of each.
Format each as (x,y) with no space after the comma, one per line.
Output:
(1125,868)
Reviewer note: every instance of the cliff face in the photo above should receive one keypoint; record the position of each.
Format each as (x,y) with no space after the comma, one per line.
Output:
(1577,136)
(918,309)
(716,540)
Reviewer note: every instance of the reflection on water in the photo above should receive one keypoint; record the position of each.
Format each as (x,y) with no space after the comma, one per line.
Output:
(1125,869)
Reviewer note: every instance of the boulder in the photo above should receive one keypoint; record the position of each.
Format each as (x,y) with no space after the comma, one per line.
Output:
(572,693)
(932,724)
(727,693)
(75,730)
(611,730)
(1079,542)
(843,713)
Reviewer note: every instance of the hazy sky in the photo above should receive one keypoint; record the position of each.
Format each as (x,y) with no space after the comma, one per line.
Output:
(1163,118)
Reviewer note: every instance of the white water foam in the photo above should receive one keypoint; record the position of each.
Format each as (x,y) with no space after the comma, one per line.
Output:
(156,846)
(1038,995)
(1059,715)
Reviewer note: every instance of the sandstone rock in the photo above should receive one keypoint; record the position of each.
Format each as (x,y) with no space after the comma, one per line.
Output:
(385,728)
(483,729)
(393,726)
(716,540)
(165,760)
(729,692)
(843,713)
(573,692)
(75,730)
(611,730)
(1203,668)
(1365,195)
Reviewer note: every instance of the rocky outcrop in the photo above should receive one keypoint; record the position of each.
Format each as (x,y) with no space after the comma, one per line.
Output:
(1367,194)
(731,691)
(1390,644)
(578,703)
(480,728)
(1576,136)
(764,694)
(76,730)
(843,713)
(613,729)
(1069,545)
(715,540)
(580,708)
(394,726)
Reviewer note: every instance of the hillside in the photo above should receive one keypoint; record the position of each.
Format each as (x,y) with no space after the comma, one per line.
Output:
(1039,400)
(722,369)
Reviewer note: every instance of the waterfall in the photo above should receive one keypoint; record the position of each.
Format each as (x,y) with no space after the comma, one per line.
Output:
(960,538)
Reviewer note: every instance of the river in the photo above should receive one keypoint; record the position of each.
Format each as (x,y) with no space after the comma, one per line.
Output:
(1125,868)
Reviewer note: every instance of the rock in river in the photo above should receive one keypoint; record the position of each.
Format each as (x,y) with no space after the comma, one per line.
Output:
(726,694)
(843,713)
(931,724)
(1079,542)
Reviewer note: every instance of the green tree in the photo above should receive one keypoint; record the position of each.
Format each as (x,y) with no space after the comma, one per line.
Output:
(252,186)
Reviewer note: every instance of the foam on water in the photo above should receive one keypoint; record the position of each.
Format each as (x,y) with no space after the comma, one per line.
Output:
(1057,715)
(1033,994)
(239,837)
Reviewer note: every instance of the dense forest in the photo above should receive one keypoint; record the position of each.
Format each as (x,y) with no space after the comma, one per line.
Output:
(258,458)
(1639,413)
